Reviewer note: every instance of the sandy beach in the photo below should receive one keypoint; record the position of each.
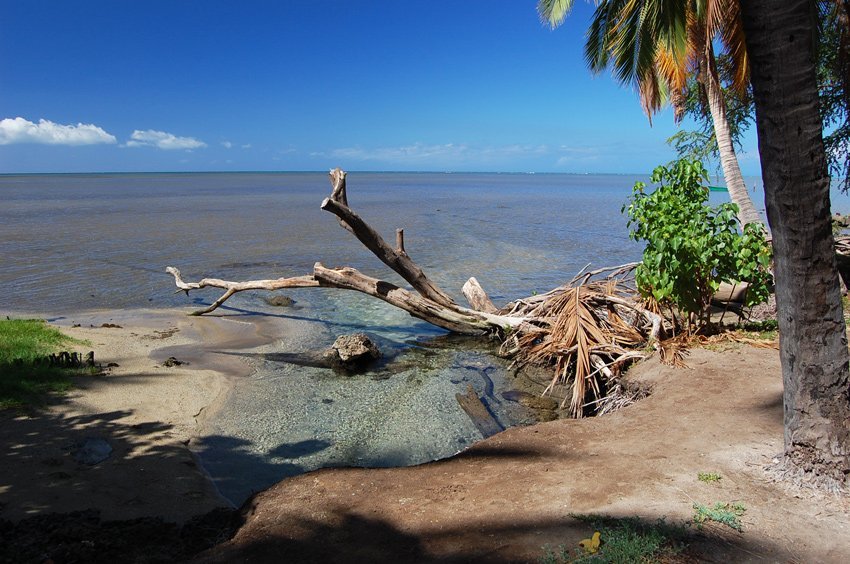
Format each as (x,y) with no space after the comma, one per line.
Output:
(146,412)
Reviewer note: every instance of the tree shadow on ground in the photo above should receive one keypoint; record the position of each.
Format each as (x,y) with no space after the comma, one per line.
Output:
(144,467)
(47,442)
(351,538)
(239,471)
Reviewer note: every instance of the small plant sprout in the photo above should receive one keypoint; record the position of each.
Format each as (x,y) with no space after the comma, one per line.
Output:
(709,477)
(728,514)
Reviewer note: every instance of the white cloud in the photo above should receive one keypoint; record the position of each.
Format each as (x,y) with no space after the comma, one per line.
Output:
(569,156)
(20,130)
(445,153)
(163,140)
(246,146)
(226,144)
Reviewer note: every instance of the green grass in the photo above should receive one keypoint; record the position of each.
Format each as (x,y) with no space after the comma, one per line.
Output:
(709,477)
(725,513)
(23,383)
(623,540)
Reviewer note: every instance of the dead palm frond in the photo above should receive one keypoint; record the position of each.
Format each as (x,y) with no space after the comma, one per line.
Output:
(590,329)
(673,352)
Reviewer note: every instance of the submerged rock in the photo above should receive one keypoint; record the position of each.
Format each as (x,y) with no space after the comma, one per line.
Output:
(171,361)
(352,352)
(279,301)
(530,400)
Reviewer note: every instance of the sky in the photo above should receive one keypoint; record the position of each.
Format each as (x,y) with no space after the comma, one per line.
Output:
(208,85)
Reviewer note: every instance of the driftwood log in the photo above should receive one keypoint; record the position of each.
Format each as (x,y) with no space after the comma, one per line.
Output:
(478,413)
(588,328)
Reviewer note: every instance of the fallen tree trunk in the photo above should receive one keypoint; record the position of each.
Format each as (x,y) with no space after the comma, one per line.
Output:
(582,325)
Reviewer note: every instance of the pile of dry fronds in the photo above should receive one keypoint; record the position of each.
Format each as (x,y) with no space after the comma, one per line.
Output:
(589,331)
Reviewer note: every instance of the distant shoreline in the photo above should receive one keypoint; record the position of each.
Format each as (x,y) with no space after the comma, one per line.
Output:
(211,172)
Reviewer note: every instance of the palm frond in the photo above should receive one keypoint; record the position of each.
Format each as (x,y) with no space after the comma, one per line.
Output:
(597,44)
(730,28)
(586,338)
(554,12)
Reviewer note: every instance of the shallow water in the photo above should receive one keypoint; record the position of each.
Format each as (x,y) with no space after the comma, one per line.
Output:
(78,242)
(73,242)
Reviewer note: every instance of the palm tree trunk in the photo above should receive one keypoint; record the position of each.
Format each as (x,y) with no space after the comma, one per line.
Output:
(728,159)
(813,342)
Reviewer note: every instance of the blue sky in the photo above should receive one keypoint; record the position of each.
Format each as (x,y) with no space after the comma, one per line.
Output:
(190,85)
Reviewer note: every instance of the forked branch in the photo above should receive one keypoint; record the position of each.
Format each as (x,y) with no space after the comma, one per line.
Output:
(584,328)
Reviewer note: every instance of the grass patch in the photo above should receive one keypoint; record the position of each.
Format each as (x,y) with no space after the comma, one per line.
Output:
(623,540)
(728,514)
(709,477)
(23,383)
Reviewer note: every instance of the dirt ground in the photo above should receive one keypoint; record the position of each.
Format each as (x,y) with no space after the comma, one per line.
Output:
(505,500)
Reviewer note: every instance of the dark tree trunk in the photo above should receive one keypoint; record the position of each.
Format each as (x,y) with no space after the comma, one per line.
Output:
(813,343)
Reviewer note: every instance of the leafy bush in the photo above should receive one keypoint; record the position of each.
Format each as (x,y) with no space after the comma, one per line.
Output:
(692,247)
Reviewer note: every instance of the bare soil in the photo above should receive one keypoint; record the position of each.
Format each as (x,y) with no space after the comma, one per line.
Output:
(504,500)
(509,497)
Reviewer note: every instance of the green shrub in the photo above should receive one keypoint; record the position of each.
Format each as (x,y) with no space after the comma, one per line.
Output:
(692,247)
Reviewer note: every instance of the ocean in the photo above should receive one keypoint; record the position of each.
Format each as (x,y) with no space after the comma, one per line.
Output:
(77,242)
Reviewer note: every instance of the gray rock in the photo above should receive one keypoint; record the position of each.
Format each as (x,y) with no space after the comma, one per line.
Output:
(92,451)
(279,301)
(352,352)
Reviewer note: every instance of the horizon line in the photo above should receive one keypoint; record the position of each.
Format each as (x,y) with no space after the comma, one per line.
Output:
(326,171)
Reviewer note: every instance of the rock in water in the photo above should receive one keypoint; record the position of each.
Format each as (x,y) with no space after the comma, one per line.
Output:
(530,400)
(279,301)
(353,352)
(93,451)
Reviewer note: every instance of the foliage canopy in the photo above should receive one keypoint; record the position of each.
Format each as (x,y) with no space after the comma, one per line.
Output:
(692,247)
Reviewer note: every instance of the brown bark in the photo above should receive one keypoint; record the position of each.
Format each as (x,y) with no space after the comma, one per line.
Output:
(813,343)
(478,413)
(430,304)
(477,297)
(457,319)
(234,287)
